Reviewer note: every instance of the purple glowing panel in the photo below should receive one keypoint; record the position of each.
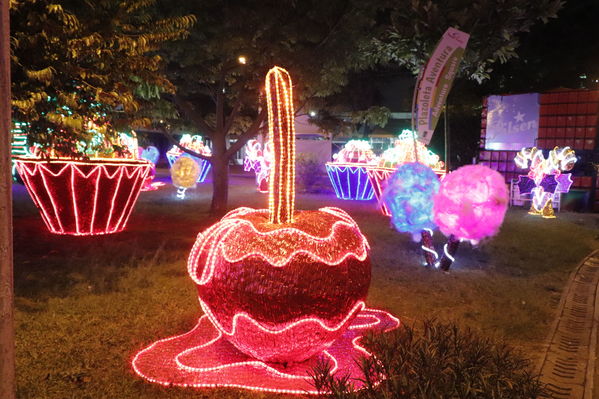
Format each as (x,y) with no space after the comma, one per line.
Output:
(409,197)
(564,182)
(512,121)
(202,163)
(350,181)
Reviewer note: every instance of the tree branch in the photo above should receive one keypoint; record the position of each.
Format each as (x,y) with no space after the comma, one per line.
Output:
(188,111)
(248,134)
(232,116)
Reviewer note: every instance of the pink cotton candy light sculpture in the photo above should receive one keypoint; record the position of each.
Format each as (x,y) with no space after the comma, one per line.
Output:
(470,205)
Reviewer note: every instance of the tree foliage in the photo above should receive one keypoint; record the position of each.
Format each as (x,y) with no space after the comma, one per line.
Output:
(416,26)
(77,62)
(223,99)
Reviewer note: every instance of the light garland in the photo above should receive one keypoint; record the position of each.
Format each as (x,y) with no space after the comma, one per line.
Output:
(281,137)
(545,177)
(19,146)
(203,358)
(71,194)
(355,151)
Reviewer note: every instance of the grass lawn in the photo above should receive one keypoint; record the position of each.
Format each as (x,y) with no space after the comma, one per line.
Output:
(86,305)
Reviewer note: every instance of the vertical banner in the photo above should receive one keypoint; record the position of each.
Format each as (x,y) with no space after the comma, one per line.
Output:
(435,82)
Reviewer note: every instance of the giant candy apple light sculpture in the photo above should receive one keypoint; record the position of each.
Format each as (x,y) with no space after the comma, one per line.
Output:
(281,284)
(283,287)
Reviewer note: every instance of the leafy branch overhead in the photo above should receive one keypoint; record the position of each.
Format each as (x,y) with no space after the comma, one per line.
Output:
(416,26)
(81,62)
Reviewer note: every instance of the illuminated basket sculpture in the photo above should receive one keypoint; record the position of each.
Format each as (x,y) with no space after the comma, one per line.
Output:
(281,289)
(404,151)
(348,171)
(195,144)
(84,197)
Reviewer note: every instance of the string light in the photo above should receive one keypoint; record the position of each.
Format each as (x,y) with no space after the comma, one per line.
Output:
(378,179)
(253,153)
(356,151)
(19,146)
(350,181)
(348,171)
(406,147)
(83,197)
(203,358)
(281,137)
(150,154)
(545,177)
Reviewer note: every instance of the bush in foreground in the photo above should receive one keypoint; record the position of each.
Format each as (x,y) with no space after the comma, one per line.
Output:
(435,361)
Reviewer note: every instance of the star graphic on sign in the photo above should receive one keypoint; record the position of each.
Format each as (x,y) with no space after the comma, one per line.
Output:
(519,117)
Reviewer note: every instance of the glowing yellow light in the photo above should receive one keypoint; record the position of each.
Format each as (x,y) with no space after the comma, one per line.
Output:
(242,60)
(281,136)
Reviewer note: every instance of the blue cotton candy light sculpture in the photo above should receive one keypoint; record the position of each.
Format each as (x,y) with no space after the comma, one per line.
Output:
(409,197)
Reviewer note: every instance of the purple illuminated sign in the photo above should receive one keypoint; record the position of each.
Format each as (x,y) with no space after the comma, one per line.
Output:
(512,121)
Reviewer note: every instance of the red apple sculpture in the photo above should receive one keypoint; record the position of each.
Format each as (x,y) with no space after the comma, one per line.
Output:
(281,285)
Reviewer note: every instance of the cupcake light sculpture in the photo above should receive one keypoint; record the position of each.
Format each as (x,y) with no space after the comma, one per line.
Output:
(348,173)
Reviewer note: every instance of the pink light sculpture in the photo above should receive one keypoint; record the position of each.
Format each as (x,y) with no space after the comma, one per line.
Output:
(470,205)
(279,288)
(253,153)
(259,160)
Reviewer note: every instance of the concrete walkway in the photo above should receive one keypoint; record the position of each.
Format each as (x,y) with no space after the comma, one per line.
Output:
(569,367)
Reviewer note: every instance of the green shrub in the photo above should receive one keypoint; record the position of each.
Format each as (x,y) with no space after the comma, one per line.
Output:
(310,174)
(435,361)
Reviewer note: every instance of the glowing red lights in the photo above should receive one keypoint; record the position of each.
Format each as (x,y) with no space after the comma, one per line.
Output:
(84,197)
(280,288)
(281,293)
(203,358)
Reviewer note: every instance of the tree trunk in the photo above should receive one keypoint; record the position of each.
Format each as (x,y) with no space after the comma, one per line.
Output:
(7,332)
(220,175)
